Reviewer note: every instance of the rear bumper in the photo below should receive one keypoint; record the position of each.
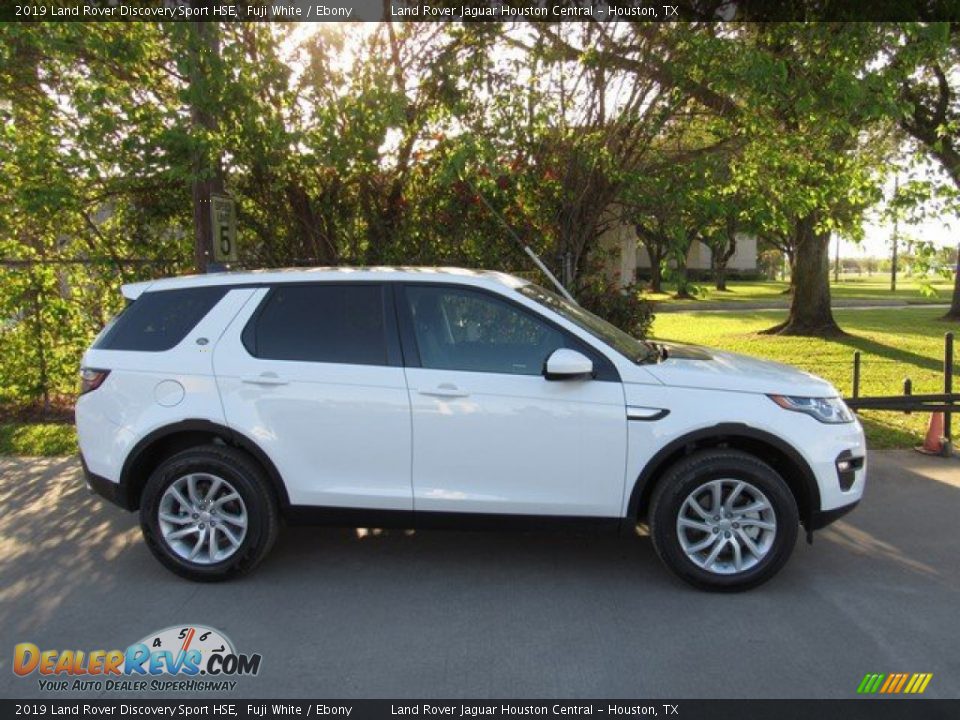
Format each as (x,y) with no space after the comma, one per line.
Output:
(824,517)
(114,492)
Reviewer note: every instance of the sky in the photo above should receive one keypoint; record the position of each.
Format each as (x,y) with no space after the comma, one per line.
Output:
(942,230)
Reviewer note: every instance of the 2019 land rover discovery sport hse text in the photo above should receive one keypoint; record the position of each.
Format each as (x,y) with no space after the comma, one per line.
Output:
(218,405)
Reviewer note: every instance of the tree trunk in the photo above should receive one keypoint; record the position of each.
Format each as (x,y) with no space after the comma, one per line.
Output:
(683,283)
(655,253)
(954,312)
(43,379)
(722,258)
(810,313)
(207,170)
(720,271)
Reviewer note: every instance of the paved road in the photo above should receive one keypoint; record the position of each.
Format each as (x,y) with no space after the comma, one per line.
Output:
(436,614)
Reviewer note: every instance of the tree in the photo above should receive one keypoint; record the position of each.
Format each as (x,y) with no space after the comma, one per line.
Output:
(801,98)
(86,201)
(204,90)
(672,204)
(924,66)
(808,130)
(591,123)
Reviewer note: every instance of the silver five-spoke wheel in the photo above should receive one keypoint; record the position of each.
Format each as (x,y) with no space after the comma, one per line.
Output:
(202,518)
(726,526)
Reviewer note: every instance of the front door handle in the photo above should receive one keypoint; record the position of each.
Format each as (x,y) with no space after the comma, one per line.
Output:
(267,378)
(446,390)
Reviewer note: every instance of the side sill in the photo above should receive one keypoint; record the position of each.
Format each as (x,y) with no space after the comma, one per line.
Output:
(408,519)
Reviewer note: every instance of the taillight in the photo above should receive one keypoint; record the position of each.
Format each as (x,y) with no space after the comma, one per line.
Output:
(91,379)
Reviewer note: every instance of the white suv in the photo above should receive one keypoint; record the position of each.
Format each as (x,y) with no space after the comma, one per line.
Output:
(217,405)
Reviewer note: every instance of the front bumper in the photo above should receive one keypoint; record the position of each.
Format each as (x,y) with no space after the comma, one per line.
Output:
(822,518)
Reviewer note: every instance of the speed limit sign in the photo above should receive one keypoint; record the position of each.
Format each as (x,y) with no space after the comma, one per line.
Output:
(224,225)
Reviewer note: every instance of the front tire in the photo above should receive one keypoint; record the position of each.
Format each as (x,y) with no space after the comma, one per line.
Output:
(207,513)
(723,520)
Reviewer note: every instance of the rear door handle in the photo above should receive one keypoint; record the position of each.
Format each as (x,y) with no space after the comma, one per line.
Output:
(447,390)
(267,378)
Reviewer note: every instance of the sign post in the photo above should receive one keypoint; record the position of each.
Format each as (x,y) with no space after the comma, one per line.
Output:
(223,223)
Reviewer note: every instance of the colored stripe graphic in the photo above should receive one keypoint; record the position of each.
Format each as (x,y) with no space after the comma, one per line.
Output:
(894,683)
(870,683)
(900,684)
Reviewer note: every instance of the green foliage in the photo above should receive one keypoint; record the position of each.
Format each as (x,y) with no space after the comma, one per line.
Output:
(425,143)
(37,439)
(624,307)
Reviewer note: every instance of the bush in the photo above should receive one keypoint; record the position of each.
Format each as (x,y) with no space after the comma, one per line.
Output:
(624,307)
(37,439)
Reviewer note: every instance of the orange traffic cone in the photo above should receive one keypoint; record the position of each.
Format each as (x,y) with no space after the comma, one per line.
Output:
(934,442)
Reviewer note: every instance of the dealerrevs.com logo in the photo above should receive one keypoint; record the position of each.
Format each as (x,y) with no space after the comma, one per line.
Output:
(179,658)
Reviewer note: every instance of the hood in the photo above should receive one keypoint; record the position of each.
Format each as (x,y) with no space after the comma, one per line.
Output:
(699,367)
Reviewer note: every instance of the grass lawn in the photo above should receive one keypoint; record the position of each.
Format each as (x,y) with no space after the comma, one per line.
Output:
(895,344)
(19,438)
(850,287)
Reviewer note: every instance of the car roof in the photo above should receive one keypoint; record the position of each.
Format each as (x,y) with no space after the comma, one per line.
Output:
(462,276)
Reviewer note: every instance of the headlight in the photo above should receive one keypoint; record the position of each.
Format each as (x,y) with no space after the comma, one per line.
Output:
(826,410)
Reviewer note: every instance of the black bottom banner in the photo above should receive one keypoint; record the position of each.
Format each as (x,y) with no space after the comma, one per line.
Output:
(874,709)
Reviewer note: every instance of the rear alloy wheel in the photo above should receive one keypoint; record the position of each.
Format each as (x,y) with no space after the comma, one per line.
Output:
(723,520)
(208,514)
(202,518)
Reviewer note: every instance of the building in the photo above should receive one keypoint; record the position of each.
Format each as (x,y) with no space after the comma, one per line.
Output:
(629,261)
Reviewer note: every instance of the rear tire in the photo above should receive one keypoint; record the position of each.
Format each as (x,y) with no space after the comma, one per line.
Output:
(733,544)
(208,514)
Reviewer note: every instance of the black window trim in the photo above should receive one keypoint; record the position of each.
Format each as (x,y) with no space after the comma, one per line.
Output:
(394,355)
(604,368)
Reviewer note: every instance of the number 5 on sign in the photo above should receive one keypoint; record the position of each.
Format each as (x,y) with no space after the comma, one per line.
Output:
(224,225)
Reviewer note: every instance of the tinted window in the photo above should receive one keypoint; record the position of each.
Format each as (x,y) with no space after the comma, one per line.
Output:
(331,323)
(159,320)
(636,350)
(460,329)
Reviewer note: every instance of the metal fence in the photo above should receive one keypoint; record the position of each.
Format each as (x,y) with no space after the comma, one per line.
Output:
(946,402)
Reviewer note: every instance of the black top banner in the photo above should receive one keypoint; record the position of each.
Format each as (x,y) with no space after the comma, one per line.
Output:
(478,10)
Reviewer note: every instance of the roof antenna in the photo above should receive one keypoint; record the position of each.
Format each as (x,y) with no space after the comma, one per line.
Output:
(533,256)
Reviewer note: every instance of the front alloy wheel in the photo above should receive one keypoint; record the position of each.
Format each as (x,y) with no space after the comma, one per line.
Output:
(723,520)
(726,526)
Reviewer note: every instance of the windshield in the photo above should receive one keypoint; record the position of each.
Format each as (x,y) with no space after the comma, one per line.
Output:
(633,349)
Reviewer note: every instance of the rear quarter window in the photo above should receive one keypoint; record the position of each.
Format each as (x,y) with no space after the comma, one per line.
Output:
(158,321)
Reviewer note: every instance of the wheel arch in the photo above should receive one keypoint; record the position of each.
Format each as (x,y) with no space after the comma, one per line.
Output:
(165,441)
(776,452)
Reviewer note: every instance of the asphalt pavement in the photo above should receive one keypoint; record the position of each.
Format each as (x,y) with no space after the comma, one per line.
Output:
(349,614)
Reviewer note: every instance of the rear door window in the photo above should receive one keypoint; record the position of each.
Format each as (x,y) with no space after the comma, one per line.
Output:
(158,321)
(332,323)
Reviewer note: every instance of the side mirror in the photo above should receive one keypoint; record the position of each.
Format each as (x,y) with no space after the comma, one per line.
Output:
(567,364)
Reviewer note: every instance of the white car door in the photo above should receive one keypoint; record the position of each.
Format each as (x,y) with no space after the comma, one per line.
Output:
(490,433)
(312,373)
